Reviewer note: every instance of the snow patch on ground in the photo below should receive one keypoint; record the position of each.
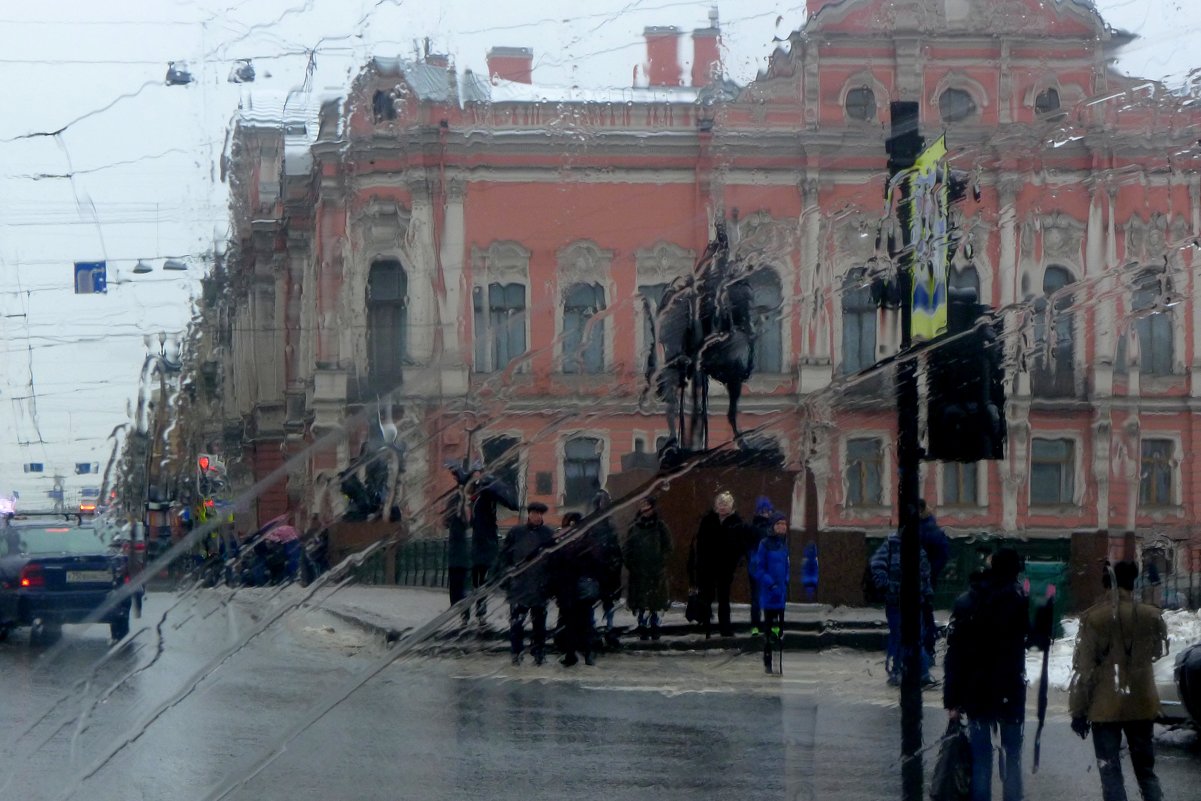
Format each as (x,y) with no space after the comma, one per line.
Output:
(1181,737)
(1184,629)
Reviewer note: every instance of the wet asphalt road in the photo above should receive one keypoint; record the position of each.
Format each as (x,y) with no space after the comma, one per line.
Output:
(146,724)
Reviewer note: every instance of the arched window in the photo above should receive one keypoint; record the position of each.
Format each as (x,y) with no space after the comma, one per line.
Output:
(966,278)
(499,325)
(502,459)
(1047,102)
(581,470)
(387,318)
(861,104)
(1054,373)
(583,339)
(858,323)
(1154,328)
(956,105)
(382,106)
(767,301)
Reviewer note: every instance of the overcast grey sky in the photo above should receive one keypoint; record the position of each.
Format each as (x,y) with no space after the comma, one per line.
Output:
(142,158)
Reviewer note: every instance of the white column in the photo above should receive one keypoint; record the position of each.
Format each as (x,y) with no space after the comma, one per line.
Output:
(420,268)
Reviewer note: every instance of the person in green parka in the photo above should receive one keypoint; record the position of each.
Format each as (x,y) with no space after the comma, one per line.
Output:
(647,548)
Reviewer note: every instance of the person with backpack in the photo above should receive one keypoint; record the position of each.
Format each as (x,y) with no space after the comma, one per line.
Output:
(886,582)
(771,570)
(985,676)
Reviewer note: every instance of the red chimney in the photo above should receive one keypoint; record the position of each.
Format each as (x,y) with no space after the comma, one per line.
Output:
(706,52)
(511,64)
(663,56)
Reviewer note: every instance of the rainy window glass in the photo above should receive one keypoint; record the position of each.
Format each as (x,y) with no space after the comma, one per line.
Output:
(1052,472)
(767,300)
(386,323)
(865,466)
(583,339)
(861,104)
(959,485)
(313,309)
(1154,327)
(501,323)
(858,325)
(581,470)
(1155,476)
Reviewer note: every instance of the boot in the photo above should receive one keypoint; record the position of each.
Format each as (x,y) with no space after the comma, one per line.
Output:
(767,662)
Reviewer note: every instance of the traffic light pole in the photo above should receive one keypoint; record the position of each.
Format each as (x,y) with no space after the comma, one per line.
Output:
(905,144)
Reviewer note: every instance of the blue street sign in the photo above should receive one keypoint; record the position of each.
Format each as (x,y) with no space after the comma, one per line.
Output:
(91,278)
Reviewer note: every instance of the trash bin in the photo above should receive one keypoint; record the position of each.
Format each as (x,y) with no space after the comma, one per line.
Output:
(1042,574)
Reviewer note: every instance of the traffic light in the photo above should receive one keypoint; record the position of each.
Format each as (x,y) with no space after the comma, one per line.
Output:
(966,382)
(203,462)
(210,475)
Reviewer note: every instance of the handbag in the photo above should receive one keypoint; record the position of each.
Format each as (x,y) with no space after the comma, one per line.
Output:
(695,610)
(952,779)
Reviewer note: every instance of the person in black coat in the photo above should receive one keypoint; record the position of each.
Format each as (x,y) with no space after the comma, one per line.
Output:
(576,568)
(611,563)
(718,548)
(485,493)
(527,580)
(458,557)
(985,671)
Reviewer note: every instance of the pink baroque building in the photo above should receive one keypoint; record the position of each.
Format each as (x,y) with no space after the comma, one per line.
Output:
(480,254)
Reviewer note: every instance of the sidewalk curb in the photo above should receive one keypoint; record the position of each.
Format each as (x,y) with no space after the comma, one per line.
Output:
(805,636)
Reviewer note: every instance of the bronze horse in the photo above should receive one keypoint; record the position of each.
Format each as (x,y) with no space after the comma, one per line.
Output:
(703,329)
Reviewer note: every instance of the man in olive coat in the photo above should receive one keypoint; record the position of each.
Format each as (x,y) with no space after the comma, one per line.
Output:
(1113,684)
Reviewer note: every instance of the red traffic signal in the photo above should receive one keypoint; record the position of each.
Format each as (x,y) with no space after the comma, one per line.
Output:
(203,461)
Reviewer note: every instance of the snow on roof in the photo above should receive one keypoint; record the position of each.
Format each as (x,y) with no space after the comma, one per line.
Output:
(433,83)
(297,113)
(501,91)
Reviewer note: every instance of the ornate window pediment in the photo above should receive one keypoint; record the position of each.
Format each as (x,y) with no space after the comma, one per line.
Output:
(584,262)
(663,262)
(503,262)
(383,224)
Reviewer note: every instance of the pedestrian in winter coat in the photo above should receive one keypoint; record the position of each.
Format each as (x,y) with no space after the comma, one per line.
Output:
(611,561)
(647,548)
(886,575)
(458,557)
(576,567)
(810,571)
(718,548)
(527,580)
(770,566)
(986,672)
(760,527)
(938,551)
(1113,684)
(484,494)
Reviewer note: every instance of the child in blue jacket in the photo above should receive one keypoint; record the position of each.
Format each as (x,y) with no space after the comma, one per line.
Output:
(771,571)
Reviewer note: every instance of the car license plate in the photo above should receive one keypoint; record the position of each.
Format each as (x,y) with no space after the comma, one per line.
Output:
(89,576)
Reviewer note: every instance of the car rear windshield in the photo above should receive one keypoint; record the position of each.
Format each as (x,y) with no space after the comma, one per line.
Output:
(51,540)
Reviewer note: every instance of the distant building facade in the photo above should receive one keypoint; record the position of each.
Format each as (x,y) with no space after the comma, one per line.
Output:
(482,253)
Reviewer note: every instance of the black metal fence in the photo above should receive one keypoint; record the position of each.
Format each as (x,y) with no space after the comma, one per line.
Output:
(422,563)
(418,563)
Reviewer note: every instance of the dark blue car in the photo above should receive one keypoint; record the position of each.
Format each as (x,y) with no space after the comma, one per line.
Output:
(51,575)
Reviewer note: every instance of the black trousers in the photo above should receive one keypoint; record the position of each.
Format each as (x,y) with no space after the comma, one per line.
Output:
(479,577)
(456,581)
(772,618)
(517,614)
(719,591)
(578,628)
(1107,743)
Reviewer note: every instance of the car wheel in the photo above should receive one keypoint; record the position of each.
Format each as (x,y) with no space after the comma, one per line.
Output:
(119,628)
